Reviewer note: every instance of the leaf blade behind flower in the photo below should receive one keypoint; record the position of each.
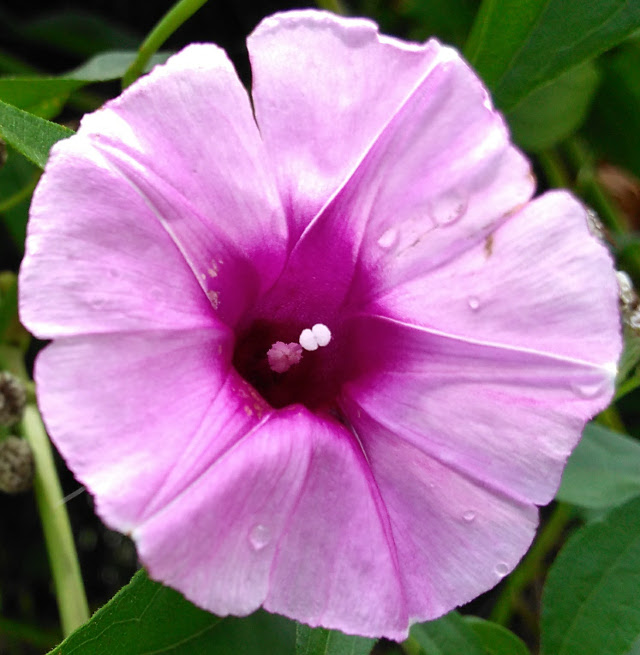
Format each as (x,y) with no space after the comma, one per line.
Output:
(449,635)
(29,134)
(146,618)
(519,46)
(590,603)
(603,471)
(320,641)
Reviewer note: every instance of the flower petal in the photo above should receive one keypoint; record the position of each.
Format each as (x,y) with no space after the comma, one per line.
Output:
(179,148)
(438,179)
(540,281)
(139,416)
(97,260)
(323,89)
(506,418)
(189,123)
(454,538)
(288,518)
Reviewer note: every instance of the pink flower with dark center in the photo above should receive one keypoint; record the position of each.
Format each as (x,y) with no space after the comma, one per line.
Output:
(324,356)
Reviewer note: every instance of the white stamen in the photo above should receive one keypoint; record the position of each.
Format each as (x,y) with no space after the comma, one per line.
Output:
(308,340)
(318,335)
(321,333)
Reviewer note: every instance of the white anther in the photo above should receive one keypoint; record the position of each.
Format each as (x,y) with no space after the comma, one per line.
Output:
(318,335)
(308,340)
(321,333)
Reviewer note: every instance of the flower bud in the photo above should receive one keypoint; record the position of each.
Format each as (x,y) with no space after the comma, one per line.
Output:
(16,465)
(13,398)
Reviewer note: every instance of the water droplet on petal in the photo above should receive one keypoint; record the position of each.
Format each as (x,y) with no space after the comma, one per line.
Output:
(502,568)
(469,516)
(448,209)
(388,239)
(590,389)
(259,536)
(474,303)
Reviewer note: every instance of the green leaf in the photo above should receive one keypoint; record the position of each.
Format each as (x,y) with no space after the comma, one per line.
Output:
(18,178)
(8,301)
(495,639)
(78,33)
(591,601)
(319,641)
(146,618)
(552,112)
(45,96)
(603,471)
(450,635)
(614,122)
(518,46)
(28,134)
(449,20)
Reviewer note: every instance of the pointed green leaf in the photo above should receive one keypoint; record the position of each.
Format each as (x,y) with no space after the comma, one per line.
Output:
(29,134)
(495,639)
(450,635)
(614,123)
(552,112)
(518,46)
(603,471)
(320,641)
(591,601)
(78,33)
(45,96)
(146,617)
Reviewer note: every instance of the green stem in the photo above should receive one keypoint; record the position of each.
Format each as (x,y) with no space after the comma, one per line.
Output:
(554,169)
(587,182)
(610,418)
(168,24)
(335,6)
(70,594)
(531,565)
(22,194)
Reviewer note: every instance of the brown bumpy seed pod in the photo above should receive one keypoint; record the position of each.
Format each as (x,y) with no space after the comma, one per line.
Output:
(13,398)
(16,465)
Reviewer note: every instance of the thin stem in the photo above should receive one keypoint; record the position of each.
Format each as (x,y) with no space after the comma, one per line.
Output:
(70,594)
(610,418)
(532,564)
(168,24)
(554,169)
(21,194)
(587,182)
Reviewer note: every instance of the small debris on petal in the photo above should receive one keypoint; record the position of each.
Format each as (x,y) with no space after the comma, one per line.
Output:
(282,356)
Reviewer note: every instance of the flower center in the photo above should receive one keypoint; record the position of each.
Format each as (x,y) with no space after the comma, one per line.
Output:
(307,370)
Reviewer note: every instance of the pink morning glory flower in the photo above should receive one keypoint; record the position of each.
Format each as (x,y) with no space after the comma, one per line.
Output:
(321,354)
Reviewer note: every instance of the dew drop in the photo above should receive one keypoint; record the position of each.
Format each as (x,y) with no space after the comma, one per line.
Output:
(589,390)
(502,568)
(259,536)
(388,239)
(469,516)
(448,209)
(474,303)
